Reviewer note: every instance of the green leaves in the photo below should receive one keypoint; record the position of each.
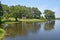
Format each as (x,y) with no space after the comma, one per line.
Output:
(36,13)
(1,11)
(19,11)
(49,14)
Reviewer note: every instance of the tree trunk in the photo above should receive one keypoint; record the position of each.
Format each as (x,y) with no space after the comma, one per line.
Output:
(16,19)
(0,20)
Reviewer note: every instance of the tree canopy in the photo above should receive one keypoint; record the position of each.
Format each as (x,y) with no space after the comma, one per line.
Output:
(1,11)
(18,11)
(49,14)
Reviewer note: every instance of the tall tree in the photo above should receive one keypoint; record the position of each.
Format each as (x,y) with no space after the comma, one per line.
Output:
(49,14)
(36,12)
(14,11)
(1,11)
(6,11)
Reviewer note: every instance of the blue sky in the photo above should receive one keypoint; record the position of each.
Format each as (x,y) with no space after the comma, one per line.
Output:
(53,5)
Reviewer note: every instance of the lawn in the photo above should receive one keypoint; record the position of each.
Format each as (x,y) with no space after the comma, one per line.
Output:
(23,20)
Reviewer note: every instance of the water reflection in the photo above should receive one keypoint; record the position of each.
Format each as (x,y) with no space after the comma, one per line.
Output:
(22,28)
(25,29)
(49,25)
(36,26)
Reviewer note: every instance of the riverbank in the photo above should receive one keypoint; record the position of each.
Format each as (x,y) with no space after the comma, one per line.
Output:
(23,20)
(33,20)
(2,33)
(12,20)
(57,18)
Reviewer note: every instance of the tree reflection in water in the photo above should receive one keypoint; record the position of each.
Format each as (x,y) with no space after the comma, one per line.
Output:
(49,25)
(21,29)
(36,26)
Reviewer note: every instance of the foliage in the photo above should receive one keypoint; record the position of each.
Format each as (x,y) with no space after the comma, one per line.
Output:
(1,11)
(19,11)
(36,13)
(49,14)
(2,33)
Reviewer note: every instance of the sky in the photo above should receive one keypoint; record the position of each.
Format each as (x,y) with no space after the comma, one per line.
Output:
(53,5)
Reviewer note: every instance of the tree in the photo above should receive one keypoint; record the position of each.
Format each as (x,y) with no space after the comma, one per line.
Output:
(1,11)
(20,11)
(49,14)
(14,11)
(36,12)
(6,11)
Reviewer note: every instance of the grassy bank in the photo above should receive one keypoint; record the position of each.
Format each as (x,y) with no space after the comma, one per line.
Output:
(2,33)
(23,20)
(33,20)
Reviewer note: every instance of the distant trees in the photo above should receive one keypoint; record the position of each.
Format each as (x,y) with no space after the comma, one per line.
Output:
(49,14)
(19,11)
(36,13)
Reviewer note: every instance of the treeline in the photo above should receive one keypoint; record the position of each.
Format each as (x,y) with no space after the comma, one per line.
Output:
(18,11)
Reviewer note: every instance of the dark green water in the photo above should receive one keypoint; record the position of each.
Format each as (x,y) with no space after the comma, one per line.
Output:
(33,31)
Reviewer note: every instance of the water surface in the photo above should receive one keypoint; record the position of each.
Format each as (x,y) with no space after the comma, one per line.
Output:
(33,31)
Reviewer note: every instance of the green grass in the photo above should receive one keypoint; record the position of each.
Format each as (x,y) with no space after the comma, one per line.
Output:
(26,20)
(11,22)
(32,20)
(2,33)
